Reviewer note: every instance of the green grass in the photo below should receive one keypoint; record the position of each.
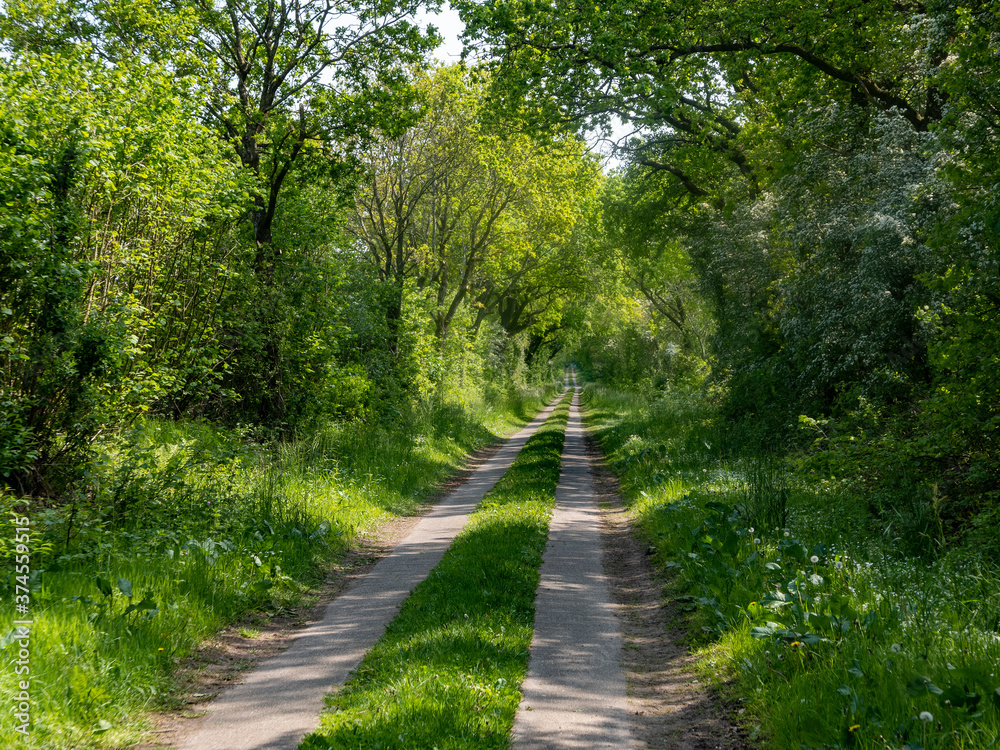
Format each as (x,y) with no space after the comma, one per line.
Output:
(447,672)
(846,651)
(205,526)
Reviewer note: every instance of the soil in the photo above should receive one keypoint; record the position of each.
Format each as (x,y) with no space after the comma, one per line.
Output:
(671,709)
(219,661)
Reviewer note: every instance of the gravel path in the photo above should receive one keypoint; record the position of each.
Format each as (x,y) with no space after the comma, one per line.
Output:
(574,694)
(281,700)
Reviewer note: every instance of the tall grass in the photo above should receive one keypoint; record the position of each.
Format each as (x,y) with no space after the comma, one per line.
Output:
(830,634)
(187,528)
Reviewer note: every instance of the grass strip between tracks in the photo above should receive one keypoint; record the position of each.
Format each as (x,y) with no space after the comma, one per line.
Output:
(447,672)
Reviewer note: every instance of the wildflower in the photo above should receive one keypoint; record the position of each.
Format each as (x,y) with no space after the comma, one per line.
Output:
(160,648)
(756,541)
(856,726)
(895,648)
(751,529)
(786,535)
(838,565)
(814,559)
(926,716)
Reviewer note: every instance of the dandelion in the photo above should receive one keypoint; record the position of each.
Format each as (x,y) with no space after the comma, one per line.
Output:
(814,559)
(751,529)
(786,535)
(160,648)
(895,648)
(855,726)
(838,565)
(756,541)
(926,717)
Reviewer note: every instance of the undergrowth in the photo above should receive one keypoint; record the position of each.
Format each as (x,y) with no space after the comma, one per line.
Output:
(187,528)
(800,604)
(447,672)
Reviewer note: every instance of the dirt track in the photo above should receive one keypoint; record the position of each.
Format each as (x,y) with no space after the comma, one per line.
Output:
(631,640)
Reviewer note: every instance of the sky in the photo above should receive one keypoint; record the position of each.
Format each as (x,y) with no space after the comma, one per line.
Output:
(450,26)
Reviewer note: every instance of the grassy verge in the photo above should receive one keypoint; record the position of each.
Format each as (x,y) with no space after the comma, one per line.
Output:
(800,605)
(447,672)
(188,528)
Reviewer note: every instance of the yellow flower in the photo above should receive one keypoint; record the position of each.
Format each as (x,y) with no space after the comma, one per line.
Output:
(856,726)
(160,649)
(793,644)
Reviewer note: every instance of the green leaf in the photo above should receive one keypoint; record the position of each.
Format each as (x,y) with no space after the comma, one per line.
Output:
(144,605)
(919,686)
(262,585)
(956,695)
(125,586)
(819,622)
(103,726)
(103,586)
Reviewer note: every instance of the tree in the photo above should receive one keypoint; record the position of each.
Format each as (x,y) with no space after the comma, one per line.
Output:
(650,243)
(113,253)
(299,86)
(304,72)
(469,212)
(710,86)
